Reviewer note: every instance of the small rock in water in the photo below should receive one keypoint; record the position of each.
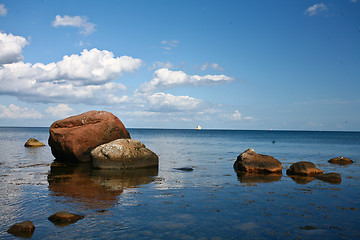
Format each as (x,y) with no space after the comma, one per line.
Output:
(24,229)
(341,161)
(64,218)
(187,169)
(250,161)
(303,168)
(32,142)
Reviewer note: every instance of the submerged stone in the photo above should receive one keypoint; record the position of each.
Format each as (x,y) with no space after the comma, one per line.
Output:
(64,218)
(308,227)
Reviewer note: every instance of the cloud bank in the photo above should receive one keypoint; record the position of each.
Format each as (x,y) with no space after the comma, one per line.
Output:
(91,78)
(85,78)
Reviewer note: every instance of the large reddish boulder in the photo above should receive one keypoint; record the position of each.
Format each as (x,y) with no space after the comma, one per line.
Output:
(74,137)
(250,161)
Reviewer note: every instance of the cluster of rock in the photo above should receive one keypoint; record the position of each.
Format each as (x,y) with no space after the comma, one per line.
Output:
(249,162)
(100,137)
(27,228)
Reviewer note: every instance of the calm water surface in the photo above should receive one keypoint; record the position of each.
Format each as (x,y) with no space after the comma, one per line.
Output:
(210,202)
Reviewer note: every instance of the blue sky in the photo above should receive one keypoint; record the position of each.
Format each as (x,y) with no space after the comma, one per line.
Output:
(291,65)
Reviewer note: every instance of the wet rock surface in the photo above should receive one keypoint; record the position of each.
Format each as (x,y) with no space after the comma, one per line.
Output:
(23,229)
(32,142)
(123,154)
(250,161)
(74,137)
(64,218)
(303,168)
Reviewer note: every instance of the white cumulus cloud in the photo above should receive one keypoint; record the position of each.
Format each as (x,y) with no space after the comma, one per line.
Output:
(61,110)
(75,21)
(11,48)
(316,9)
(90,67)
(164,79)
(16,112)
(3,10)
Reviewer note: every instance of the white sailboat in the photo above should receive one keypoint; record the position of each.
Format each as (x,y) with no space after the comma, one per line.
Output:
(198,127)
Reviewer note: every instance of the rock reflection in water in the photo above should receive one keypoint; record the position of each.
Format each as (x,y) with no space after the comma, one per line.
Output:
(258,178)
(97,189)
(302,179)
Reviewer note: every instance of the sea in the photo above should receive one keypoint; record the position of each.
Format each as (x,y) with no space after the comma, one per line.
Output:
(193,194)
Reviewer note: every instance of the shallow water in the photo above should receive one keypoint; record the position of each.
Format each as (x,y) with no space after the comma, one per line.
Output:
(210,202)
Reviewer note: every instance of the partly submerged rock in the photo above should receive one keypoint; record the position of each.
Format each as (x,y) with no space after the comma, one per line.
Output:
(32,142)
(185,169)
(334,178)
(64,218)
(341,161)
(23,229)
(123,154)
(250,161)
(74,137)
(303,168)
